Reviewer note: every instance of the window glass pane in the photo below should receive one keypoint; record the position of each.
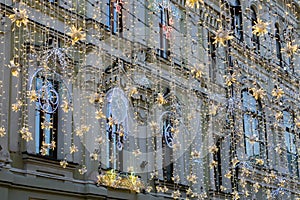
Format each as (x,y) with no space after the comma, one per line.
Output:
(255,127)
(287,119)
(37,129)
(247,125)
(249,148)
(256,148)
(287,141)
(293,143)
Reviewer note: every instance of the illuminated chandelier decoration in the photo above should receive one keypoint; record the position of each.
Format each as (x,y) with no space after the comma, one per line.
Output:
(114,179)
(43,89)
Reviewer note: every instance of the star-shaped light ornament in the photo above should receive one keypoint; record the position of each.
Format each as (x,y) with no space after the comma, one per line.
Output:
(2,132)
(260,27)
(17,106)
(213,164)
(73,149)
(192,3)
(258,93)
(100,115)
(213,149)
(222,36)
(32,95)
(82,170)
(277,92)
(160,99)
(15,68)
(26,135)
(230,79)
(195,154)
(192,178)
(65,106)
(297,122)
(19,17)
(259,161)
(176,194)
(197,73)
(228,175)
(76,34)
(290,49)
(63,163)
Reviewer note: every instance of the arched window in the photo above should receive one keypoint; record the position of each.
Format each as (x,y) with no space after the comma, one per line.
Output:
(255,38)
(236,14)
(253,126)
(278,44)
(290,142)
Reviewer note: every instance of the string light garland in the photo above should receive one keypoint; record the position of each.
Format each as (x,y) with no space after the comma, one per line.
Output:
(145,89)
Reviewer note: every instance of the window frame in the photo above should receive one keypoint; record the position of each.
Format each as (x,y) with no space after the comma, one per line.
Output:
(237,19)
(114,18)
(164,42)
(40,118)
(255,38)
(115,155)
(278,45)
(291,145)
(168,170)
(212,48)
(255,114)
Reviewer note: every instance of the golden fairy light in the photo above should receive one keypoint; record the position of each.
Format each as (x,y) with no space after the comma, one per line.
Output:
(76,34)
(260,27)
(19,17)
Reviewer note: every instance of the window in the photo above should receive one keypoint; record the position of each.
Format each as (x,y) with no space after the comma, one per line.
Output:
(278,45)
(290,143)
(213,57)
(218,168)
(116,128)
(167,144)
(255,38)
(236,13)
(164,33)
(253,126)
(114,14)
(46,117)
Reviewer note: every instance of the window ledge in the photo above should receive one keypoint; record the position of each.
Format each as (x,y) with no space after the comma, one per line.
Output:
(47,165)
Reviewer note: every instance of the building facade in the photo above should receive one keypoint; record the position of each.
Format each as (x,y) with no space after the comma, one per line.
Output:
(149,99)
